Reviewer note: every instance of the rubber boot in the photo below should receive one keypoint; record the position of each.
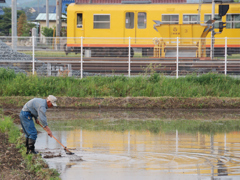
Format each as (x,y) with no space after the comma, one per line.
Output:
(31,146)
(26,143)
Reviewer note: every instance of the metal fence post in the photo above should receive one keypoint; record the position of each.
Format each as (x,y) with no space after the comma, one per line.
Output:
(33,55)
(225,56)
(177,60)
(81,57)
(129,57)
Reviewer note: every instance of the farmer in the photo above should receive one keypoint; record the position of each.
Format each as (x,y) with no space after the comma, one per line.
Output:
(36,108)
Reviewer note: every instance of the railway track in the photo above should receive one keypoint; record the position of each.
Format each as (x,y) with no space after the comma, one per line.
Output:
(138,65)
(141,65)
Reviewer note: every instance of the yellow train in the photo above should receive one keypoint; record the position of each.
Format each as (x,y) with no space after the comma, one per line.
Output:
(137,21)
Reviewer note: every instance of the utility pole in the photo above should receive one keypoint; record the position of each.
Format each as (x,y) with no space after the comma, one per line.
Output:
(213,32)
(47,13)
(58,22)
(14,24)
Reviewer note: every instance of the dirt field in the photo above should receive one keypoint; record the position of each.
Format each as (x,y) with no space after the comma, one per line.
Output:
(132,102)
(11,162)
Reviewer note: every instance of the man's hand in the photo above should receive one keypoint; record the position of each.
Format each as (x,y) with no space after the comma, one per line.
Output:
(37,121)
(48,131)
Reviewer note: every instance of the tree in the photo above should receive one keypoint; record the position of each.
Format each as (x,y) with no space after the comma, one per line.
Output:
(47,32)
(6,21)
(24,27)
(21,24)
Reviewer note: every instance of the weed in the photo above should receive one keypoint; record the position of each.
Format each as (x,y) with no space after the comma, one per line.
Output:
(150,84)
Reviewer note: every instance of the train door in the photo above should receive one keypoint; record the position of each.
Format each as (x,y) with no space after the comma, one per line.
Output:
(141,29)
(79,25)
(130,27)
(135,24)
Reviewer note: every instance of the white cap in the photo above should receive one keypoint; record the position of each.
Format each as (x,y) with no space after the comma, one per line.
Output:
(52,99)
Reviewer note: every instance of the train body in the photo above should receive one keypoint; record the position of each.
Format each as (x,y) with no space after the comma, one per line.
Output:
(137,21)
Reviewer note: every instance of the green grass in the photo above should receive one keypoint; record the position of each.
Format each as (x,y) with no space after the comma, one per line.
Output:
(233,56)
(7,126)
(154,85)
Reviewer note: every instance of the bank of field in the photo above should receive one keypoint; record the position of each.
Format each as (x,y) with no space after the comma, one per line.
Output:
(151,85)
(14,163)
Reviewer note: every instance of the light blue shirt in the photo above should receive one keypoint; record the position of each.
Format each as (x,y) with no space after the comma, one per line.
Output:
(38,108)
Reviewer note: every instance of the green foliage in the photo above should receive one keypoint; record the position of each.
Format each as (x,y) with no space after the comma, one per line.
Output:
(7,125)
(153,85)
(47,32)
(6,21)
(7,74)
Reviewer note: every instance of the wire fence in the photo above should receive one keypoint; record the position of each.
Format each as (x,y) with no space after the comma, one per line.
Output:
(82,56)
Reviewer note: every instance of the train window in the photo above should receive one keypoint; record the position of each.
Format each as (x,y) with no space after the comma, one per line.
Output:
(170,19)
(190,19)
(101,21)
(233,21)
(79,20)
(208,17)
(129,20)
(142,20)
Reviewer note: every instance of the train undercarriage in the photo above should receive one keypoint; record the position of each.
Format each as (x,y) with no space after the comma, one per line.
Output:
(144,52)
(100,51)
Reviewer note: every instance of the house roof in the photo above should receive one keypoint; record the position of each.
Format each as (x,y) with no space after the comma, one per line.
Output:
(51,17)
(42,9)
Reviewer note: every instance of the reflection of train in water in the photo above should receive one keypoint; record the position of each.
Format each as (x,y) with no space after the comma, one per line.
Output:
(136,21)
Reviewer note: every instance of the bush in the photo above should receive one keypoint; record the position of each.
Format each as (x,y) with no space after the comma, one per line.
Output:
(213,85)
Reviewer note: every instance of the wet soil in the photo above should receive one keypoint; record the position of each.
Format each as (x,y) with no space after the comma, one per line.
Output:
(133,107)
(119,114)
(51,155)
(132,102)
(12,165)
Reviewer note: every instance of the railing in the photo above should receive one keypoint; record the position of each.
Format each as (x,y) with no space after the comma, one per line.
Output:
(115,56)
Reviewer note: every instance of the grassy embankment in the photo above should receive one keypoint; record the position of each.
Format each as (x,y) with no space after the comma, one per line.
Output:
(155,85)
(145,91)
(33,164)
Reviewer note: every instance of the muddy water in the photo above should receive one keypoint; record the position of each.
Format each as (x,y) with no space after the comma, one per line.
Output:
(141,154)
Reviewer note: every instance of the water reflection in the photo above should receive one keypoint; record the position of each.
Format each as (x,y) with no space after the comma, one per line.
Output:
(139,145)
(143,154)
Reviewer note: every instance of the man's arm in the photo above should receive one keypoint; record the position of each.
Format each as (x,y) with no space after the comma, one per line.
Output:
(48,131)
(43,119)
(42,116)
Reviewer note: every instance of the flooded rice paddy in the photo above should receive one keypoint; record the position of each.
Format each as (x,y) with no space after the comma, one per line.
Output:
(166,144)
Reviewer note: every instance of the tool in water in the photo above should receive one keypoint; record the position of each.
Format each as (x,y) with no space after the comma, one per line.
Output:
(65,148)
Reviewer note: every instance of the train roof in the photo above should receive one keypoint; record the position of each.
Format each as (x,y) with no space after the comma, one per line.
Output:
(124,1)
(147,1)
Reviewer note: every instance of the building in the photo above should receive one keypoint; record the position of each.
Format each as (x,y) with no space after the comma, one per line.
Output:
(41,19)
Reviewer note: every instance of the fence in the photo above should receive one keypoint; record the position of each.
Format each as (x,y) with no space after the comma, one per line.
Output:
(83,56)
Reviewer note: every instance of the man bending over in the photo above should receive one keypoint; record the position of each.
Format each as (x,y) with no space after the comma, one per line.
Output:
(36,108)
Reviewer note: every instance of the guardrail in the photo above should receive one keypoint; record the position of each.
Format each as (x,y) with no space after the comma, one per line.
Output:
(81,56)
